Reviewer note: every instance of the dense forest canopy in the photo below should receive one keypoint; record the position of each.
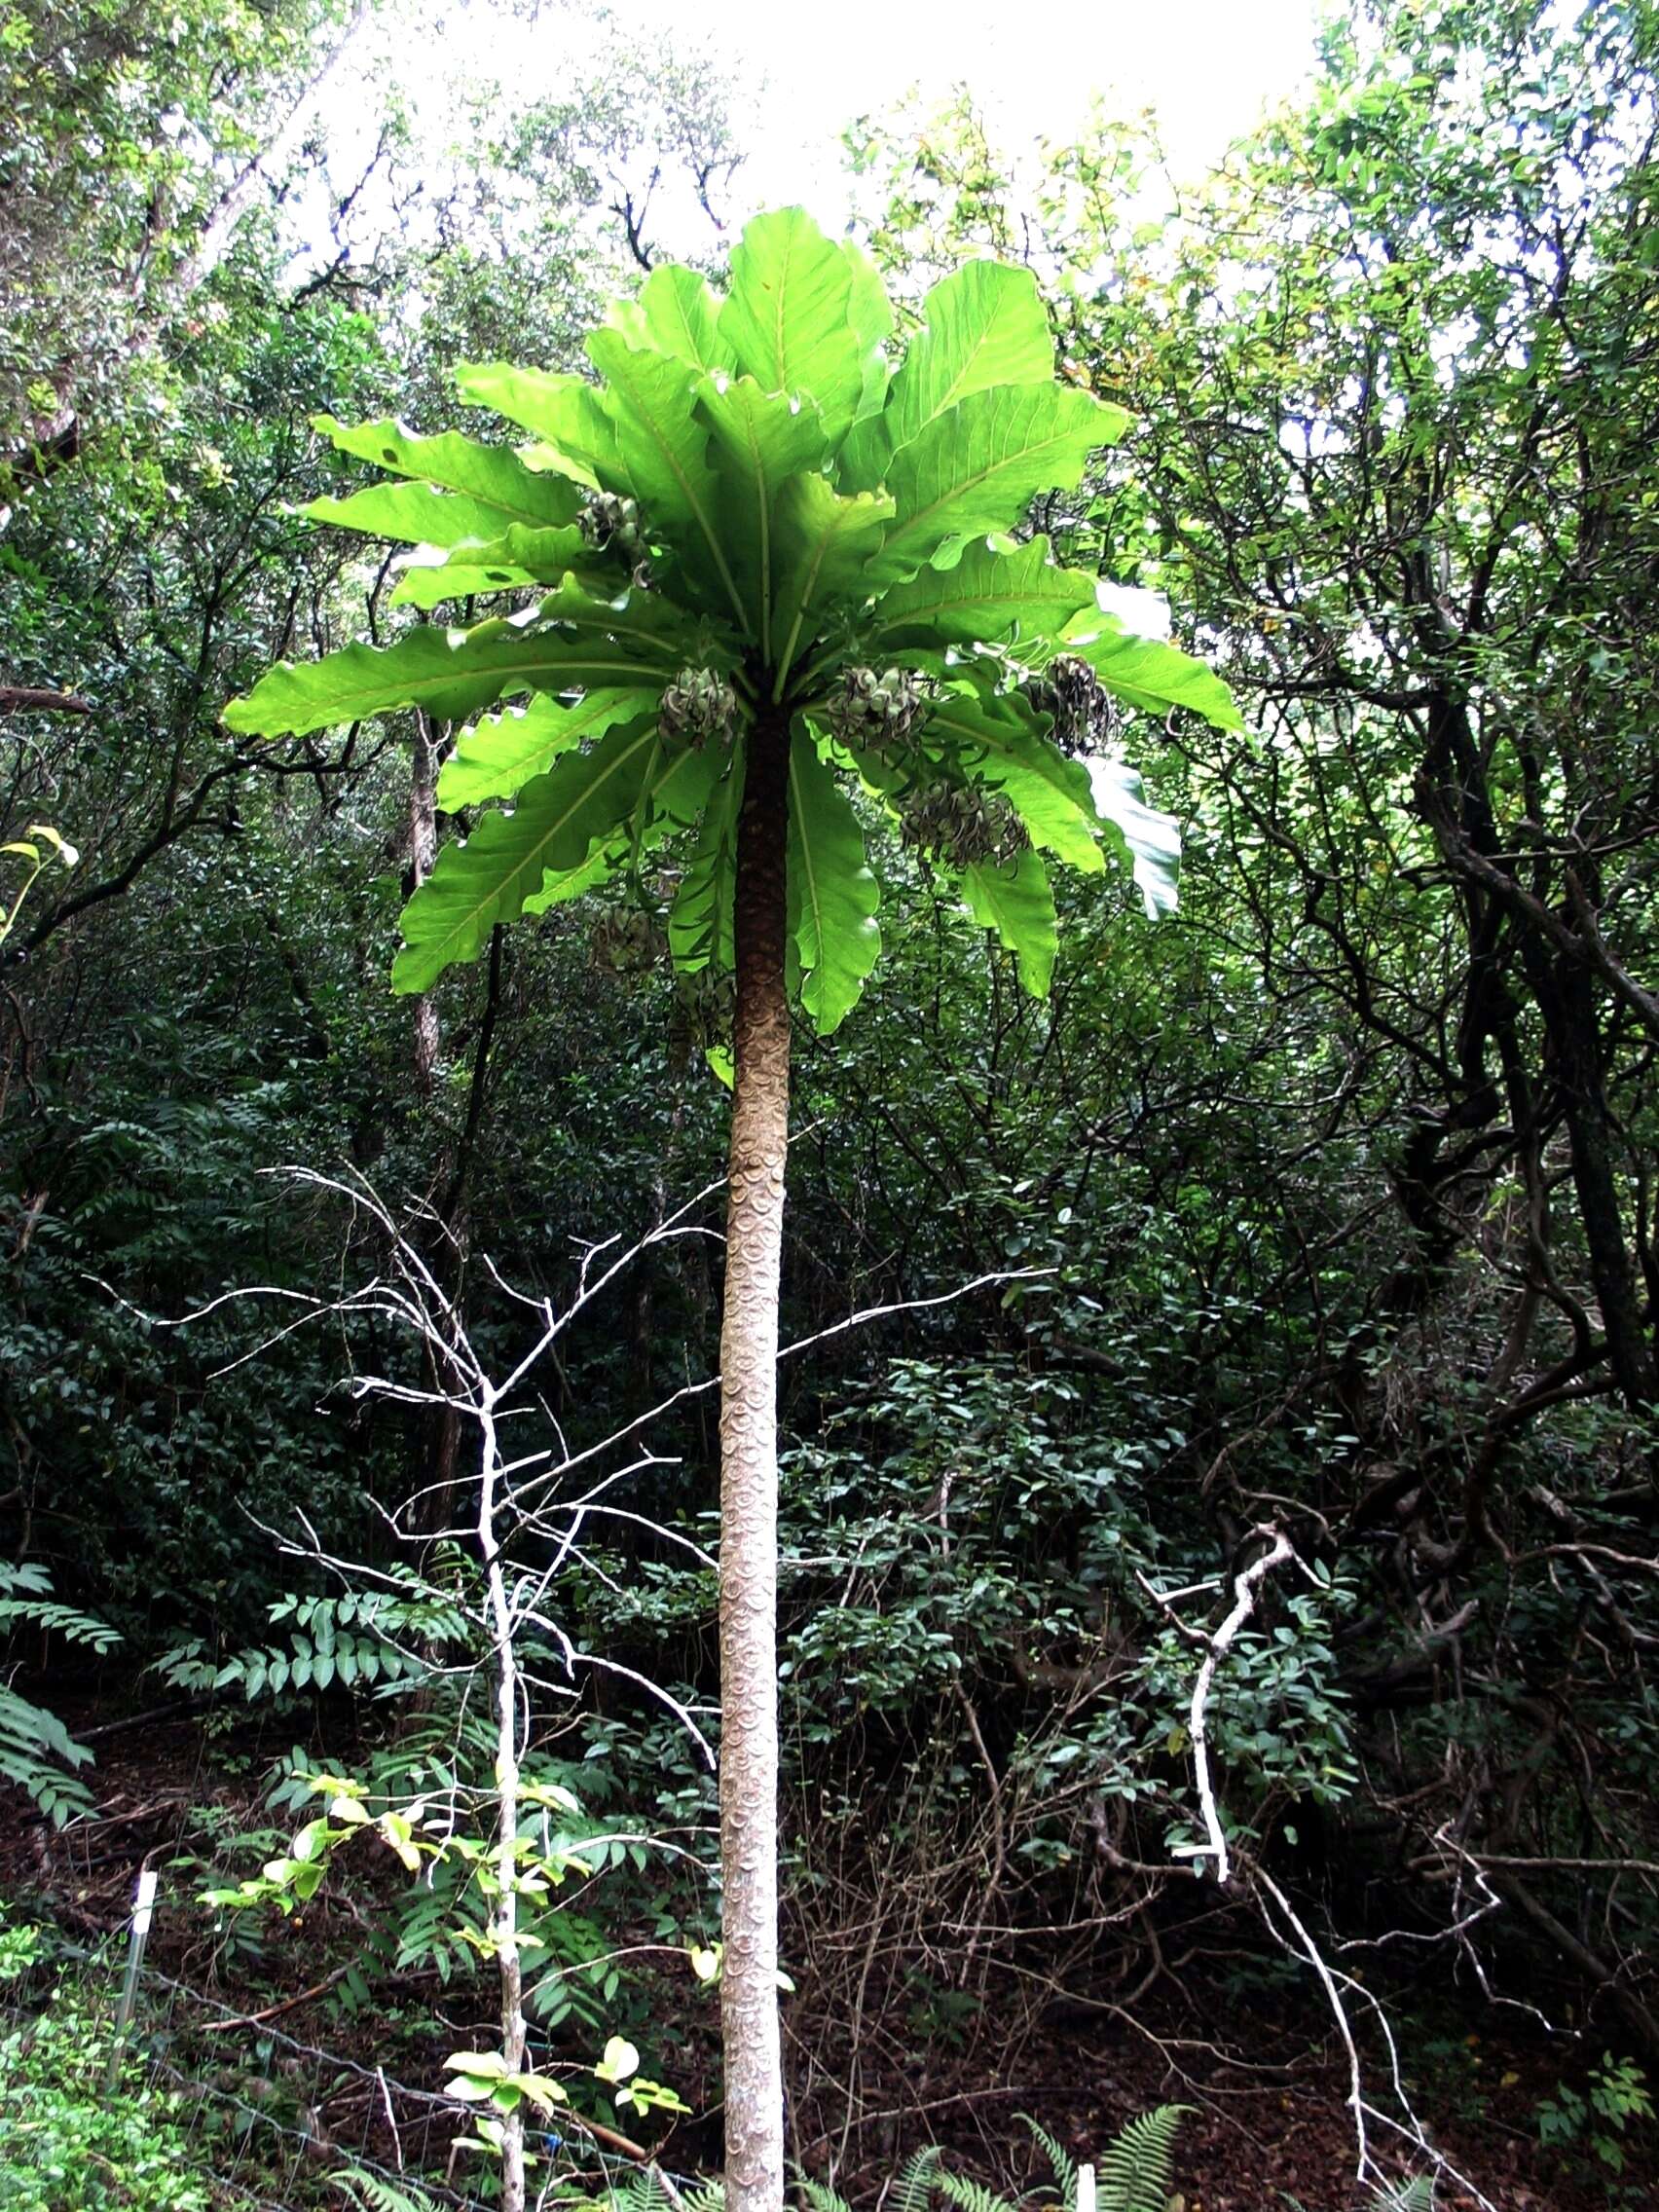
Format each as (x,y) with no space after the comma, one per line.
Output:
(1286,1249)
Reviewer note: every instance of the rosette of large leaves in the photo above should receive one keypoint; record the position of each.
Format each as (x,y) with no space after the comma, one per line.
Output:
(748,510)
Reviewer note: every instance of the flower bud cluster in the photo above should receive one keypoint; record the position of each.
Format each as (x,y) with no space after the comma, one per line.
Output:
(696,706)
(710,998)
(611,524)
(1085,719)
(625,939)
(871,709)
(961,825)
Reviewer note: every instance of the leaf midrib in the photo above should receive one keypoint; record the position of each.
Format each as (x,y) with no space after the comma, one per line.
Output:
(576,721)
(371,700)
(931,610)
(711,536)
(646,736)
(1059,436)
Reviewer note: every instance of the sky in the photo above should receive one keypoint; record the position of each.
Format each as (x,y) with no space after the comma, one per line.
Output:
(1208,67)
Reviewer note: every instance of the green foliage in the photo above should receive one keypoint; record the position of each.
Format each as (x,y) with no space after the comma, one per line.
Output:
(542,847)
(141,1474)
(1134,2175)
(764,545)
(367,2192)
(916,2179)
(367,1638)
(1136,2166)
(1061,2165)
(421,1798)
(39,846)
(36,1750)
(118,126)
(1414,2195)
(1614,2101)
(644,2191)
(67,2142)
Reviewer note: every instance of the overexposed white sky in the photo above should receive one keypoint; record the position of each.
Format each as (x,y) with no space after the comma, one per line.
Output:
(1208,67)
(1034,66)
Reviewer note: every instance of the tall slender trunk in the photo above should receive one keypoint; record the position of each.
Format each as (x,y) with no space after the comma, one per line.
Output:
(749,1489)
(284,141)
(1565,994)
(507,1957)
(423,858)
(440,1439)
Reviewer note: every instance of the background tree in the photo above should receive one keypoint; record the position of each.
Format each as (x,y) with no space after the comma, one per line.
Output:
(137,147)
(1392,398)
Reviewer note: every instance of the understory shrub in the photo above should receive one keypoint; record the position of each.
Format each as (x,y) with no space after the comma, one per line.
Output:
(68,2142)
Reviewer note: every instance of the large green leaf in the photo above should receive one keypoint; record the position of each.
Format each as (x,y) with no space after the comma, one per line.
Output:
(977,467)
(680,785)
(760,438)
(1001,742)
(989,596)
(982,326)
(870,312)
(559,886)
(787,316)
(450,672)
(700,920)
(673,793)
(1148,673)
(499,755)
(1152,839)
(566,413)
(833,895)
(674,313)
(517,560)
(647,622)
(488,473)
(664,444)
(415,514)
(824,544)
(559,819)
(1015,899)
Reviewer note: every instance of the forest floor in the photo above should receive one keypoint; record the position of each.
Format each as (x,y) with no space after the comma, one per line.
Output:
(1237,2043)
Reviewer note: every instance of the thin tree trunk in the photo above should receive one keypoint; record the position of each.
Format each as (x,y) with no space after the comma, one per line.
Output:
(59,427)
(506,1808)
(748,1489)
(423,857)
(1565,994)
(440,1441)
(240,194)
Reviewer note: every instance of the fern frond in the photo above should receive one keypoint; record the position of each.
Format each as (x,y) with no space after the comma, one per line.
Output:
(368,2191)
(67,1621)
(1060,2160)
(1136,2166)
(641,2192)
(1414,2195)
(704,2196)
(36,1750)
(918,2178)
(35,1747)
(973,2195)
(820,2196)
